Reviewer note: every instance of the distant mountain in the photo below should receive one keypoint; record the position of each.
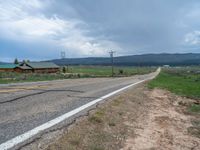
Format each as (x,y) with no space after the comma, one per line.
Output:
(1,63)
(136,60)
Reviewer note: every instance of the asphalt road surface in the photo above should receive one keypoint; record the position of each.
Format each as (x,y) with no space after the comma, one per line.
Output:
(24,106)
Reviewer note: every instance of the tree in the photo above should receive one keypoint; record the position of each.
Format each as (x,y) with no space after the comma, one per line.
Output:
(64,70)
(26,61)
(16,61)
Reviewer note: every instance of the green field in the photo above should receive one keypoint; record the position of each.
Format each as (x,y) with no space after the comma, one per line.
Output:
(12,77)
(106,70)
(73,72)
(184,81)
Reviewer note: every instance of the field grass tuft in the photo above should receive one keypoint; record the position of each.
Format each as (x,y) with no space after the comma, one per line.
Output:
(195,108)
(97,117)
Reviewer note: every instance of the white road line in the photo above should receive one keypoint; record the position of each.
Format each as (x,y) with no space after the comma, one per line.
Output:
(23,137)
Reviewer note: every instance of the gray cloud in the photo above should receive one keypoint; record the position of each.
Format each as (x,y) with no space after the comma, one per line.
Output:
(92,27)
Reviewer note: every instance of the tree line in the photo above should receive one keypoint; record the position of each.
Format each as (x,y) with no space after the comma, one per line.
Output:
(16,61)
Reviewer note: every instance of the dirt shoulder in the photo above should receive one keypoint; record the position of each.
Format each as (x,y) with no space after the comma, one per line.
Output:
(135,120)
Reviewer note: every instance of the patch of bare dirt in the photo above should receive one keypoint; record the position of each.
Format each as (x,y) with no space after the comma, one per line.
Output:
(165,126)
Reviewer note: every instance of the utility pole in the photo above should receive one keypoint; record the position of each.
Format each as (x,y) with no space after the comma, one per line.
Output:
(62,54)
(112,61)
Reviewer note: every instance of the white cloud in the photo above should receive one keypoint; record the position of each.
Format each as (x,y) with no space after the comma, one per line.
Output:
(18,9)
(24,21)
(193,38)
(36,27)
(194,11)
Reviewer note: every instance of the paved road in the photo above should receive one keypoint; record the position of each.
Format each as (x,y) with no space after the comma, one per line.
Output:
(27,105)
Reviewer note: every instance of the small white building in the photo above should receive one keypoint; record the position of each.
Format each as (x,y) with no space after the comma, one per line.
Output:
(166,66)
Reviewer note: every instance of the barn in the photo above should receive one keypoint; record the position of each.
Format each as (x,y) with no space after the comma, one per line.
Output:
(7,67)
(37,67)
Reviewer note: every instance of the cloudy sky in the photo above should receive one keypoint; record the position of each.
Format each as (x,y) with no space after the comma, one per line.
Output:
(41,29)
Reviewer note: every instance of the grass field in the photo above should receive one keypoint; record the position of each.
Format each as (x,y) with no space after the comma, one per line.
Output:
(106,70)
(74,72)
(12,77)
(184,81)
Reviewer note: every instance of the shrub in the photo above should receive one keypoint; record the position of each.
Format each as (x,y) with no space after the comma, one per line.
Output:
(121,71)
(64,70)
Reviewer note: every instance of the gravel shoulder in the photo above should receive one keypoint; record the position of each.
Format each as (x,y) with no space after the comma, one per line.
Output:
(139,119)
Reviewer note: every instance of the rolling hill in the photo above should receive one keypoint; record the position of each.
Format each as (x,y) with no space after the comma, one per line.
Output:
(136,60)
